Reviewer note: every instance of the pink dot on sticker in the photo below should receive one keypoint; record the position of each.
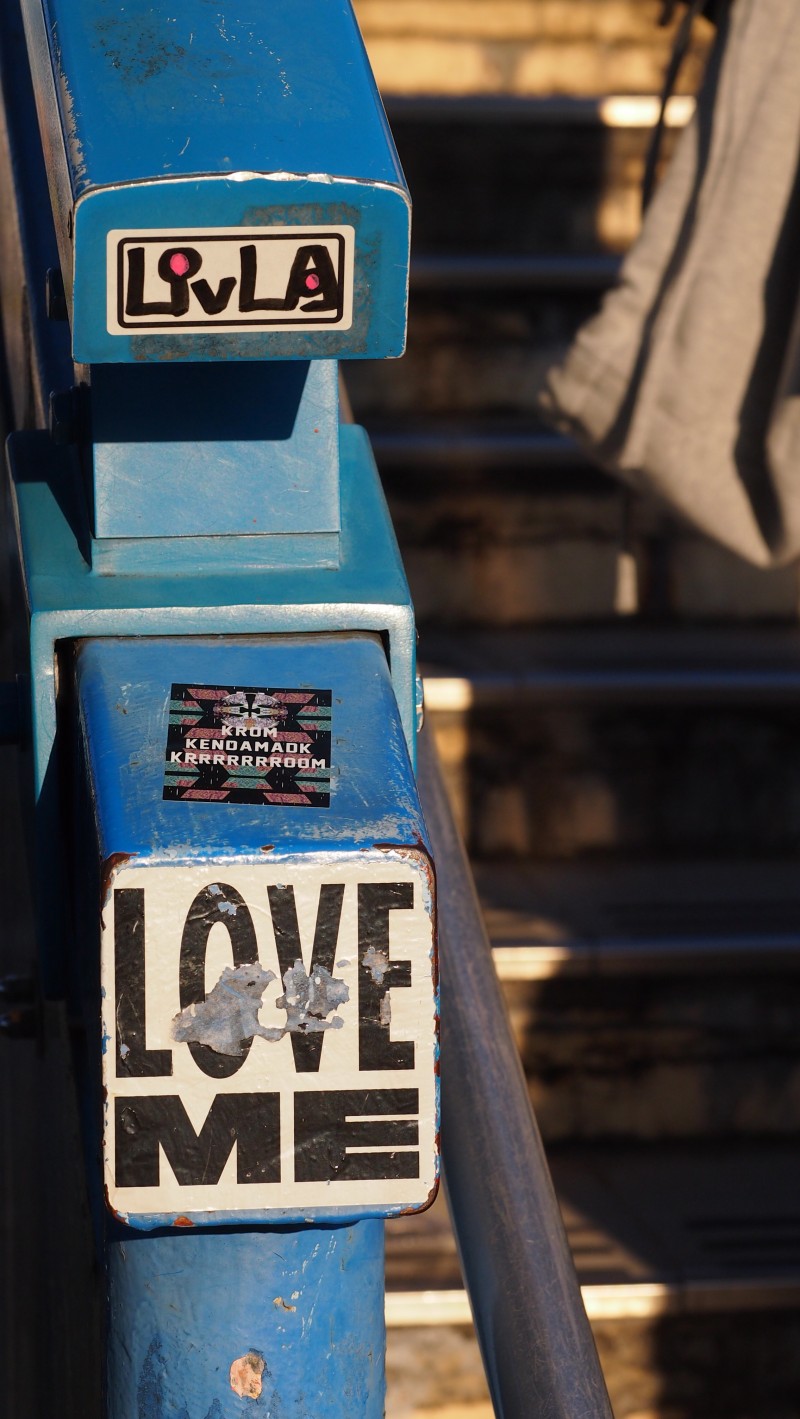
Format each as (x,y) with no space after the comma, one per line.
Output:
(312,282)
(179,263)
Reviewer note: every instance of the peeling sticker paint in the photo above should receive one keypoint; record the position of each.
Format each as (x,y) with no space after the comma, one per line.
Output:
(385,1014)
(246,1375)
(282,1305)
(310,999)
(377,962)
(229,1014)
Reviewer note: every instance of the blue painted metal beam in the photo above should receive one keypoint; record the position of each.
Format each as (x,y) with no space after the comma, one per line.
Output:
(76,588)
(191,120)
(217,451)
(265,1324)
(285,189)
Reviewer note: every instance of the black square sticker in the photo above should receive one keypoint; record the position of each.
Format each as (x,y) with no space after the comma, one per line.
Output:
(249,744)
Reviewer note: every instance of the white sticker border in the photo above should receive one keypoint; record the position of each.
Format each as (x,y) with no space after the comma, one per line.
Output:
(115,285)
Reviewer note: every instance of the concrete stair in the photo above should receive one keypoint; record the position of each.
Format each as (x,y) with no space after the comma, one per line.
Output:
(520,46)
(614,700)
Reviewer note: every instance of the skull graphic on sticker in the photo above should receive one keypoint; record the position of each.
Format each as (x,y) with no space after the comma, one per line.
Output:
(248,712)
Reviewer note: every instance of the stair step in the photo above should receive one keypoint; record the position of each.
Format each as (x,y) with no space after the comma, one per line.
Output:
(627,742)
(655,1229)
(471,353)
(651,1000)
(604,110)
(504,525)
(465,46)
(617,919)
(527,176)
(635,1300)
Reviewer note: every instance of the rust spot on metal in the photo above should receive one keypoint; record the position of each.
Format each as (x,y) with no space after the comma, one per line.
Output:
(183,1222)
(110,866)
(270,847)
(429,1201)
(120,1216)
(415,845)
(246,1375)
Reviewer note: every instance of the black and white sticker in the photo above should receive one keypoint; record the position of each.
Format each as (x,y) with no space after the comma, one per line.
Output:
(285,278)
(269,1037)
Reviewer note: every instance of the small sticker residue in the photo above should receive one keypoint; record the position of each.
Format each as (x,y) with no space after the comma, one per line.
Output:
(245,744)
(246,1375)
(227,1020)
(228,1017)
(376,962)
(310,999)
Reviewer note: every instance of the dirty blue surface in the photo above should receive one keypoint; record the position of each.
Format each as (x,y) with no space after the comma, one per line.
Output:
(141,588)
(186,1308)
(193,115)
(123,695)
(217,450)
(124,701)
(228,591)
(177,87)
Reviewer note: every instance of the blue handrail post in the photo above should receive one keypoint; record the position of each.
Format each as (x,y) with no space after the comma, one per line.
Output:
(221,647)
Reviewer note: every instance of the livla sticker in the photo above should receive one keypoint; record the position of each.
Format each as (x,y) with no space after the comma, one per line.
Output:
(249,744)
(270,1036)
(287,278)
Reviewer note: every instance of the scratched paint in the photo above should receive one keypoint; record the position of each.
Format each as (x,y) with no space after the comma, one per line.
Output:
(190,1351)
(246,1375)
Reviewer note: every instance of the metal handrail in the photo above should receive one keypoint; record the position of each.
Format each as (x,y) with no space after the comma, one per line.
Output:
(474,271)
(464,442)
(537,1346)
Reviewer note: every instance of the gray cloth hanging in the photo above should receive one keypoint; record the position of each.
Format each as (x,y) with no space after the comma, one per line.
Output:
(687,382)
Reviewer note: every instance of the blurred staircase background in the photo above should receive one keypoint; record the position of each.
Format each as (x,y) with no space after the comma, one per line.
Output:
(615,702)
